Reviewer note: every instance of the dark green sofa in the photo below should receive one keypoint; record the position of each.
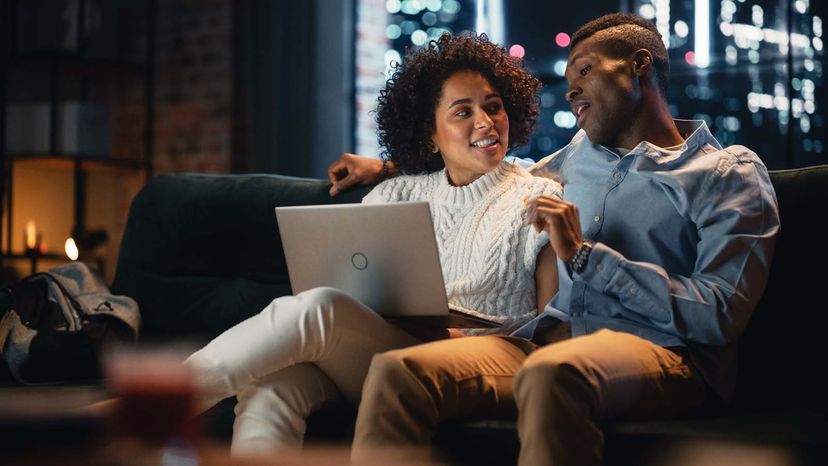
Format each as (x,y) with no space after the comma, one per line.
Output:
(202,252)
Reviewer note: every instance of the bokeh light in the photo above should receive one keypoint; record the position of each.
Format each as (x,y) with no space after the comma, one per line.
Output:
(393,31)
(419,37)
(647,11)
(560,67)
(565,119)
(393,6)
(681,28)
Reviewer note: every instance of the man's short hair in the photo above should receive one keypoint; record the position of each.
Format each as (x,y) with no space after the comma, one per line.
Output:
(624,34)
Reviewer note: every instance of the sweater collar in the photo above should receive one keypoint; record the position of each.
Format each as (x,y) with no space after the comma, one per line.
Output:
(474,191)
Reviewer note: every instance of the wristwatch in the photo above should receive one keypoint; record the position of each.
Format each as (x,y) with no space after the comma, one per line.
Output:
(581,257)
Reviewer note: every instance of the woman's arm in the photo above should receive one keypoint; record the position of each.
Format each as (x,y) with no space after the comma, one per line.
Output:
(546,277)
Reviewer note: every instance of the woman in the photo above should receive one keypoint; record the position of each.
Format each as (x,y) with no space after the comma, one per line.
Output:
(446,119)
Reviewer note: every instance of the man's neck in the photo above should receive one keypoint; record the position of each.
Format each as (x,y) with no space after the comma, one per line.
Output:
(654,124)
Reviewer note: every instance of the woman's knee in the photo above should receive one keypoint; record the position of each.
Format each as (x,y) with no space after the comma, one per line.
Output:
(318,306)
(322,296)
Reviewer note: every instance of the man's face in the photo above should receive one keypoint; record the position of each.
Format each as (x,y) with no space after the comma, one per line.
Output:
(602,92)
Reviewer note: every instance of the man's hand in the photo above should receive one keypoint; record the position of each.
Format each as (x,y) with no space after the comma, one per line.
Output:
(560,220)
(350,170)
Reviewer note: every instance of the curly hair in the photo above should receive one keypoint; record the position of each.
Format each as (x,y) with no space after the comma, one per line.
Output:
(623,34)
(406,107)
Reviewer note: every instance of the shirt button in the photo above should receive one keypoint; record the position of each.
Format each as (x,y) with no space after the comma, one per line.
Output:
(600,267)
(597,218)
(633,290)
(616,176)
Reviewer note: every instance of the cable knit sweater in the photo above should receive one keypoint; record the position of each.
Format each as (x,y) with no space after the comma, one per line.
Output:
(488,252)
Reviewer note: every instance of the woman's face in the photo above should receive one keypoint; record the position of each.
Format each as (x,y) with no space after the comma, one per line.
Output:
(471,127)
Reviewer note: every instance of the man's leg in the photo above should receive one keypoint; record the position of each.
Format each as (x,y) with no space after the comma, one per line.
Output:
(564,388)
(408,391)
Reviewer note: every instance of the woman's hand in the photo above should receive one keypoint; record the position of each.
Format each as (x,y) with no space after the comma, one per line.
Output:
(455,333)
(350,170)
(560,220)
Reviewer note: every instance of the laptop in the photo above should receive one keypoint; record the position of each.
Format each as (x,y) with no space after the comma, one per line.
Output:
(384,255)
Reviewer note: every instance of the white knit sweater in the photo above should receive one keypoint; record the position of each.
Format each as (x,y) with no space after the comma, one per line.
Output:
(488,252)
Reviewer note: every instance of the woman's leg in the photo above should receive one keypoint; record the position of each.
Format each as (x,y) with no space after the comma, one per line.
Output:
(271,412)
(323,325)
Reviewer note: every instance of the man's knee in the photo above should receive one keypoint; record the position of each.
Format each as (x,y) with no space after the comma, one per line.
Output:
(540,374)
(553,380)
(389,371)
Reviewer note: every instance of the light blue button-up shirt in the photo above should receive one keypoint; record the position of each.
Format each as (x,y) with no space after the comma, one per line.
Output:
(683,244)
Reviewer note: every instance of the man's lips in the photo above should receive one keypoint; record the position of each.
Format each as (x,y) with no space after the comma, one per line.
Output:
(579,108)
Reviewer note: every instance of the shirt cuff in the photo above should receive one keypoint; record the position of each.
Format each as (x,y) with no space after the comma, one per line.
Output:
(600,267)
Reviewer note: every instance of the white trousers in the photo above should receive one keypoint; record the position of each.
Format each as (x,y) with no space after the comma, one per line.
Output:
(283,363)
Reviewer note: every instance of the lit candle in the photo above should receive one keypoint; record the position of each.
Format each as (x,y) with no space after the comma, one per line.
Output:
(71,249)
(31,235)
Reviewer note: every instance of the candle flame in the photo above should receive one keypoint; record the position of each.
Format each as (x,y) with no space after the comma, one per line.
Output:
(71,249)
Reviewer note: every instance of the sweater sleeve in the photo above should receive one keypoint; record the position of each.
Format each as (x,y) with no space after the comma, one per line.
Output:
(384,192)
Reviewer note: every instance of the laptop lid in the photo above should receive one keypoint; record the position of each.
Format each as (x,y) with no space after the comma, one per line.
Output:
(384,255)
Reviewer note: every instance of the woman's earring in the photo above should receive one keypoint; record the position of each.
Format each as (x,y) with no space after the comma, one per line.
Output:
(433,148)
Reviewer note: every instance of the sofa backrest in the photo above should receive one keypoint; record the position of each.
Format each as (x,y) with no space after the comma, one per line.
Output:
(781,351)
(202,252)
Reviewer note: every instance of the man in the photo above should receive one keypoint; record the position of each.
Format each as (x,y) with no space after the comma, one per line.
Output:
(661,264)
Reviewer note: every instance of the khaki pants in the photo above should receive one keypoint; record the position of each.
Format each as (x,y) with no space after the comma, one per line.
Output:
(557,391)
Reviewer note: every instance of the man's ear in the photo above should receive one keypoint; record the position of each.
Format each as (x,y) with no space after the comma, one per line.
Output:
(642,62)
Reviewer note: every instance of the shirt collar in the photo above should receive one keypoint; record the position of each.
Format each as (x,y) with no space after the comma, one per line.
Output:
(696,134)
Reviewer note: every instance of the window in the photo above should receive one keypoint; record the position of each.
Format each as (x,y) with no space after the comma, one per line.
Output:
(753,70)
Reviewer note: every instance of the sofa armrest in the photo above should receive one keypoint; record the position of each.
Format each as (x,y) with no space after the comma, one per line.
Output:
(202,252)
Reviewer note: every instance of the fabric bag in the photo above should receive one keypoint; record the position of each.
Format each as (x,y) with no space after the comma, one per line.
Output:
(55,324)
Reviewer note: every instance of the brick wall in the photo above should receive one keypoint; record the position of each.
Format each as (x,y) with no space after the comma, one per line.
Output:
(194,87)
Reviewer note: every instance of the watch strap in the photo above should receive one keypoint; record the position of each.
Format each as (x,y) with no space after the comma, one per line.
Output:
(579,262)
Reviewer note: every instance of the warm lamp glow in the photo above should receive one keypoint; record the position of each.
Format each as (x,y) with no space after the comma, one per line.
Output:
(71,249)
